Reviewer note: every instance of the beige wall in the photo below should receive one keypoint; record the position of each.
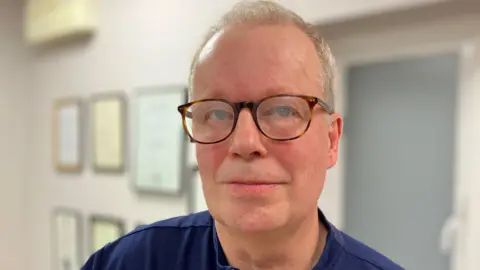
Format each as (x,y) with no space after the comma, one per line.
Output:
(14,99)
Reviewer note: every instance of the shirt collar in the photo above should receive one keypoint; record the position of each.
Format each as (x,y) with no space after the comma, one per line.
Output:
(333,245)
(222,263)
(328,258)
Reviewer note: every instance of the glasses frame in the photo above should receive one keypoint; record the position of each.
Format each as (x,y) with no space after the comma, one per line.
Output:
(253,106)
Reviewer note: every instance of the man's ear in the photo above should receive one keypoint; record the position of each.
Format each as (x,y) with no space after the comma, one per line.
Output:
(335,130)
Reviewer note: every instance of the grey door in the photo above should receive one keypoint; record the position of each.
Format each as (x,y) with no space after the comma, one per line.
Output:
(399,164)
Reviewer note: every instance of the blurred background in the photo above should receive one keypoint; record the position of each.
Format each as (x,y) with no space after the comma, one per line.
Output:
(73,73)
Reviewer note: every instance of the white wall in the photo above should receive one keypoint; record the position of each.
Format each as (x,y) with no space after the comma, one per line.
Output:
(467,248)
(14,90)
(322,11)
(138,44)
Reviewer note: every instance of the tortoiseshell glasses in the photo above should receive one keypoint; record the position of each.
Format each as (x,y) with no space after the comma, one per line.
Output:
(280,117)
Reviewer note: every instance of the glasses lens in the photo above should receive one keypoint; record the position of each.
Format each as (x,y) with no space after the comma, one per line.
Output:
(210,121)
(283,117)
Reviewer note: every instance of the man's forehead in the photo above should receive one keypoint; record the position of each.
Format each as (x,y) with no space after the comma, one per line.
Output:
(209,46)
(256,58)
(279,36)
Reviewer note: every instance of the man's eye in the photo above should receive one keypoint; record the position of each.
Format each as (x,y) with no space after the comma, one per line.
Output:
(217,115)
(282,111)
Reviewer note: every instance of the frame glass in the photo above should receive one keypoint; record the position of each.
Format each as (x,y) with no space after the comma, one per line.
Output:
(67,135)
(160,144)
(108,112)
(67,242)
(104,230)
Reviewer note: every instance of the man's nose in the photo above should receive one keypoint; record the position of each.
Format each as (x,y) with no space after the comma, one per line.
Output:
(246,141)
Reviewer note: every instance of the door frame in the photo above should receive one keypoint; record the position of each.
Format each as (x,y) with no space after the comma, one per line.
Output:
(459,34)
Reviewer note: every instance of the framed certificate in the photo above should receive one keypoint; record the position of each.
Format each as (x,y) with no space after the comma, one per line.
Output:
(104,230)
(67,240)
(108,112)
(160,144)
(67,135)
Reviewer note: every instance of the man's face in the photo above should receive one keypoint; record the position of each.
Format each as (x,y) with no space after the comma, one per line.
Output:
(248,63)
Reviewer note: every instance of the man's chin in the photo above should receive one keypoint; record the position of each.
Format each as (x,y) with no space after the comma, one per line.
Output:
(258,220)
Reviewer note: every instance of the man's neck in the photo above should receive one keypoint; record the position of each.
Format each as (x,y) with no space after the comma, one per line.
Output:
(289,248)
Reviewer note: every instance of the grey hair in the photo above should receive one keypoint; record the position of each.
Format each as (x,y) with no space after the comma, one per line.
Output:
(268,12)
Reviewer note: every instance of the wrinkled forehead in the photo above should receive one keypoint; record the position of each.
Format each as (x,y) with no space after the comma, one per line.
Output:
(251,62)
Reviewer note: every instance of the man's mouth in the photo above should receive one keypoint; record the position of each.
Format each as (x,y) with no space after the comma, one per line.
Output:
(253,187)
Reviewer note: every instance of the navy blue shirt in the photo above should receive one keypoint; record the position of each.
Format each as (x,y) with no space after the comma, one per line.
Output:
(190,243)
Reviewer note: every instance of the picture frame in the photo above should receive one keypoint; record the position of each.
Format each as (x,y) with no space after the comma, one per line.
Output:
(67,135)
(109,131)
(104,230)
(159,141)
(67,239)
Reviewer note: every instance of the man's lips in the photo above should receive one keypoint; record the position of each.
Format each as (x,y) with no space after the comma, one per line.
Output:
(253,183)
(252,187)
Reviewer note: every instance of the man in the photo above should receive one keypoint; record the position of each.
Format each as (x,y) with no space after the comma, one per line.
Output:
(265,128)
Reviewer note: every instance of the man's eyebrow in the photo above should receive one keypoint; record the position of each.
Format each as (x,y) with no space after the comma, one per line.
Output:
(279,90)
(210,93)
